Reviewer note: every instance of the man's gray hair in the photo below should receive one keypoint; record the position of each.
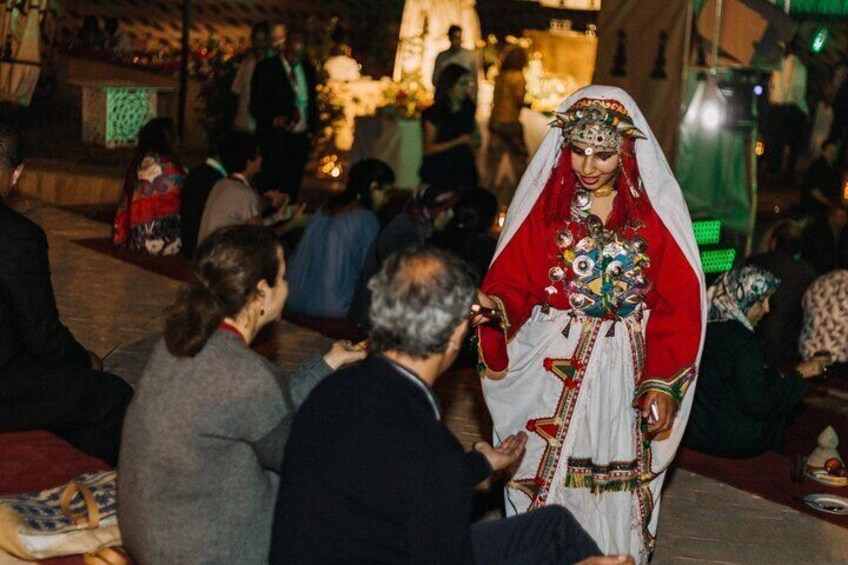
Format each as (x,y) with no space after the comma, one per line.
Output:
(419,298)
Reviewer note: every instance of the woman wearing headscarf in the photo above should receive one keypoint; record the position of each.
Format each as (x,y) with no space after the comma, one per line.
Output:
(825,307)
(599,300)
(741,405)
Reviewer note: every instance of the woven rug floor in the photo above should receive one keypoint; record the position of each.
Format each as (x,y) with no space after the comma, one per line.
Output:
(769,475)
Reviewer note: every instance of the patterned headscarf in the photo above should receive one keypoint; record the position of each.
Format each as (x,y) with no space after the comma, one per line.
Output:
(732,295)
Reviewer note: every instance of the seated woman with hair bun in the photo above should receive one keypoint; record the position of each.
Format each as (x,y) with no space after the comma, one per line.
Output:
(204,436)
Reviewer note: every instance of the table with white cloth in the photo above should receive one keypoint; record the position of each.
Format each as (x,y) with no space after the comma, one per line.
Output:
(399,143)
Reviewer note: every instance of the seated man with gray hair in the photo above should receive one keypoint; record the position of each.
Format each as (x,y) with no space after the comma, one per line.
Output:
(371,475)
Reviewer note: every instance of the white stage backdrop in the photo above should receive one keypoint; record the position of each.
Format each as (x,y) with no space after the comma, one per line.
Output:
(424,33)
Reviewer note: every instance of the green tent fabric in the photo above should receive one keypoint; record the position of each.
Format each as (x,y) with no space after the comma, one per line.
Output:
(711,164)
(804,7)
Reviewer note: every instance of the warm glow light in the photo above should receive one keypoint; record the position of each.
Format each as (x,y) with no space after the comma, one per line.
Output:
(330,167)
(501,219)
(845,191)
(711,115)
(759,149)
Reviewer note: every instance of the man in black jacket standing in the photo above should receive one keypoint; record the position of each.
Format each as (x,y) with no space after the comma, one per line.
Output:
(282,101)
(48,381)
(370,473)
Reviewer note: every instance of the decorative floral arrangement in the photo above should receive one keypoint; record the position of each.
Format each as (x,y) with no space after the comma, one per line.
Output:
(331,114)
(407,97)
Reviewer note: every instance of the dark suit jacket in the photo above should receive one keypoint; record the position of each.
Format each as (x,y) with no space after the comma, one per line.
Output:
(371,476)
(196,188)
(272,94)
(30,330)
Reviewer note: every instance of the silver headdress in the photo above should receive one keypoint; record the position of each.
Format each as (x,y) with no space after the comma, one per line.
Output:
(600,124)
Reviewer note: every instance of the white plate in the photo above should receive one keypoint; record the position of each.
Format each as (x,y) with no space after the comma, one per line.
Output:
(823,477)
(829,503)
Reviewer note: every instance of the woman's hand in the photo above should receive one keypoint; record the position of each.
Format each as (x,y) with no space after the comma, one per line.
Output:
(508,452)
(344,353)
(485,301)
(665,412)
(813,366)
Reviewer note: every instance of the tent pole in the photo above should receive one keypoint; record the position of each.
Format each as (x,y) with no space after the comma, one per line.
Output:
(716,36)
(181,110)
(687,54)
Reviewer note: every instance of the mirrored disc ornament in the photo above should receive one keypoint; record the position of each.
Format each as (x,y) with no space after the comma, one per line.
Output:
(614,269)
(564,239)
(583,266)
(556,274)
(581,201)
(594,226)
(578,301)
(638,244)
(586,244)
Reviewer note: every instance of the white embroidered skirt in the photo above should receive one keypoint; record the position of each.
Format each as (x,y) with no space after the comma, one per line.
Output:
(570,386)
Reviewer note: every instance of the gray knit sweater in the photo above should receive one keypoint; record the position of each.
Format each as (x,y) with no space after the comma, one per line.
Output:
(202,444)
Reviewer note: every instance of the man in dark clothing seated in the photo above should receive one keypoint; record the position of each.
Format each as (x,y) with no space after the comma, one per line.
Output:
(779,330)
(371,475)
(196,188)
(822,187)
(824,242)
(47,379)
(428,211)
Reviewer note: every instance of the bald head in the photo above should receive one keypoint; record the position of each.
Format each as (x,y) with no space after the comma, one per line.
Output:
(420,296)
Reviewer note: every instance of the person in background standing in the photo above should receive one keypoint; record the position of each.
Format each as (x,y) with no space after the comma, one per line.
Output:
(450,134)
(283,103)
(788,111)
(506,135)
(456,54)
(259,33)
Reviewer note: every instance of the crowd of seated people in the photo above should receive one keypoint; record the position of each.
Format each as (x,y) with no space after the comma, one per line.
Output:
(329,256)
(225,459)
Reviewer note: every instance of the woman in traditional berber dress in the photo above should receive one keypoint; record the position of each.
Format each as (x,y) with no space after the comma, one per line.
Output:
(600,313)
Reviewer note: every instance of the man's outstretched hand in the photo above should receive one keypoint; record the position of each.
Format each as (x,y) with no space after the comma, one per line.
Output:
(508,452)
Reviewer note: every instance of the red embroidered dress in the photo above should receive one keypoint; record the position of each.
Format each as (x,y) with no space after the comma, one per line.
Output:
(596,315)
